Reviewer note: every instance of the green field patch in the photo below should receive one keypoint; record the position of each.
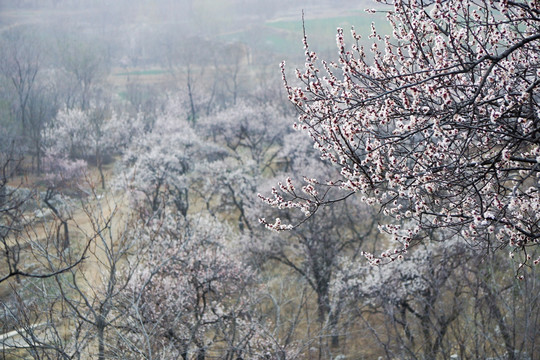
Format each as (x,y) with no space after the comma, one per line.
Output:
(321,32)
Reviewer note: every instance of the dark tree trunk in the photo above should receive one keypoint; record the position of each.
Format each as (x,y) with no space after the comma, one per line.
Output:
(64,243)
(101,339)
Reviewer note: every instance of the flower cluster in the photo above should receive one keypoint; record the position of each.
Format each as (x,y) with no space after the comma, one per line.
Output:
(437,123)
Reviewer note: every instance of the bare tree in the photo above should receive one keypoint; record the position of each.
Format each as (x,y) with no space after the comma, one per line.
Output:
(24,252)
(90,294)
(84,62)
(20,64)
(31,258)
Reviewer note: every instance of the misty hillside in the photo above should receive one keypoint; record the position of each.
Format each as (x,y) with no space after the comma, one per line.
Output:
(269,180)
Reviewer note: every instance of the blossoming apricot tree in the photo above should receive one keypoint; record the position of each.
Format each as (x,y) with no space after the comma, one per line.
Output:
(437,123)
(192,298)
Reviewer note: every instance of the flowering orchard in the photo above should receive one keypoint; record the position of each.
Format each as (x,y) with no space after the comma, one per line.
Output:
(192,296)
(436,123)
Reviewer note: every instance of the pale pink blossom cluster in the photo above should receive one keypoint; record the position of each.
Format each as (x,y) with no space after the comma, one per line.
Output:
(160,159)
(192,292)
(437,123)
(60,171)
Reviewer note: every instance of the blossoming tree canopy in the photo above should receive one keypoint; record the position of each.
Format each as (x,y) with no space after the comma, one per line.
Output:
(438,123)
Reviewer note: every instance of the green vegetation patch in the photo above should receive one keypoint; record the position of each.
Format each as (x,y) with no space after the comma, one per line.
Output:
(284,37)
(321,31)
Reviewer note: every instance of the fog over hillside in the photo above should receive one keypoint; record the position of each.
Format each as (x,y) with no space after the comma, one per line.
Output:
(269,179)
(131,23)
